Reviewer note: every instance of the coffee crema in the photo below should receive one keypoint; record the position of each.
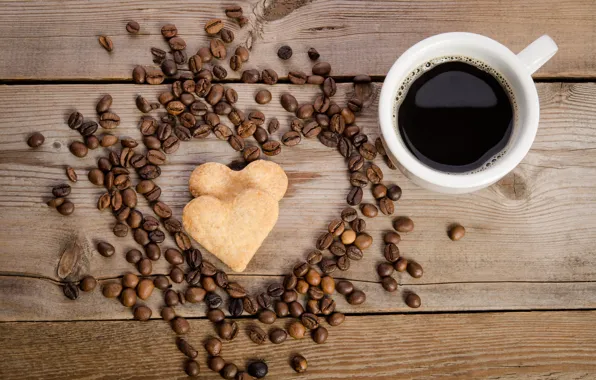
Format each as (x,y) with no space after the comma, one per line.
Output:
(455,114)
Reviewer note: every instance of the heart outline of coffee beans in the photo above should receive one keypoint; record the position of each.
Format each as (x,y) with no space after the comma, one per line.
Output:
(345,238)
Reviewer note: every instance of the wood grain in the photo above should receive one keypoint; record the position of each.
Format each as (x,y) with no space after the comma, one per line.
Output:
(53,40)
(34,299)
(536,225)
(539,345)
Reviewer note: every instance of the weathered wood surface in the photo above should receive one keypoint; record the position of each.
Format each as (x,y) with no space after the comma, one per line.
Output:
(54,40)
(535,227)
(34,299)
(538,345)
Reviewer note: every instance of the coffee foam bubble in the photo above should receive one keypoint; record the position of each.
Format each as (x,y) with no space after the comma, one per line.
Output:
(418,71)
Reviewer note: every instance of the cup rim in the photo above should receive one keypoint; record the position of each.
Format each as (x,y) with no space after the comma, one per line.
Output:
(405,63)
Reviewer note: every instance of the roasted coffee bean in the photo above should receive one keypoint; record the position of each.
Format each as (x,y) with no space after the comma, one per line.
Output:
(289,296)
(322,120)
(162,282)
(267,316)
(291,138)
(284,52)
(413,300)
(182,133)
(111,290)
(344,147)
(213,26)
(348,237)
(208,269)
(61,190)
(215,94)
(177,275)
(456,232)
(313,277)
(128,297)
(271,148)
(327,305)
(414,269)
(257,335)
(204,54)
(320,335)
(180,58)
(177,43)
(337,124)
(386,206)
(163,132)
(374,174)
(88,128)
(315,79)
(139,74)
(154,76)
(355,163)
(278,336)
(236,63)
(158,55)
(213,300)
(305,111)
(315,293)
(188,120)
(216,363)
(363,241)
(193,277)
(328,265)
(233,11)
(343,263)
(369,210)
(321,104)
(296,125)
(344,287)
(92,142)
(169,30)
(182,241)
(170,145)
(264,300)
(384,269)
(88,283)
(122,213)
(237,143)
(219,72)
(257,117)
(171,298)
(235,307)
(337,248)
(218,48)
(246,129)
(321,68)
(120,229)
(75,120)
(250,76)
(355,105)
(289,103)
(186,99)
(359,139)
(329,88)
(257,370)
(368,151)
(157,236)
(311,129)
(192,368)
(297,77)
(222,132)
(70,290)
(103,105)
(106,43)
(355,196)
(148,125)
(152,250)
(358,179)
(234,289)
(269,77)
(403,224)
(389,284)
(212,119)
(77,148)
(202,87)
(394,193)
(302,286)
(348,116)
(144,266)
(227,35)
(142,104)
(379,191)
(263,97)
(134,256)
(250,305)
(186,348)
(309,320)
(281,309)
(275,290)
(329,139)
(251,153)
(356,297)
(363,89)
(169,67)
(180,325)
(105,249)
(261,135)
(149,171)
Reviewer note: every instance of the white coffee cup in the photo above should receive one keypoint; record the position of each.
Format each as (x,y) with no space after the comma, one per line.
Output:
(516,70)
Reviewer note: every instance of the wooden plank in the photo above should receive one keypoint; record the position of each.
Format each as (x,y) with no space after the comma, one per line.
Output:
(51,40)
(539,345)
(536,225)
(34,299)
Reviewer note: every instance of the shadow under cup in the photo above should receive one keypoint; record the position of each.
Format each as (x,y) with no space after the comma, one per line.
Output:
(489,56)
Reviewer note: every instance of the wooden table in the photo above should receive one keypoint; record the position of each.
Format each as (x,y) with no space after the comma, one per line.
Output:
(516,298)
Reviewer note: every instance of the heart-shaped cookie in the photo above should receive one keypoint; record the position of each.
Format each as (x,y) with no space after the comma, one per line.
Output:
(222,182)
(232,229)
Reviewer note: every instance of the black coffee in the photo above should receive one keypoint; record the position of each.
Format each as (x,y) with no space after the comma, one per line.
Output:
(455,117)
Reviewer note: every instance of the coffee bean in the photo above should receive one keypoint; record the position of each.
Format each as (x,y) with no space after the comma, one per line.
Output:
(315,293)
(309,320)
(284,52)
(222,132)
(104,104)
(142,313)
(139,74)
(171,298)
(246,129)
(386,206)
(263,97)
(218,49)
(66,208)
(329,139)
(403,224)
(311,129)
(368,151)
(264,300)
(75,120)
(363,88)
(348,237)
(351,131)
(111,290)
(413,300)
(250,76)
(363,241)
(321,68)
(169,146)
(329,88)
(154,76)
(343,263)
(214,26)
(322,120)
(219,72)
(251,153)
(105,249)
(193,277)
(227,35)
(327,305)
(192,368)
(158,55)
(315,79)
(257,335)
(180,325)
(389,284)
(267,316)
(169,67)
(77,148)
(328,265)
(355,196)
(278,336)
(61,190)
(106,43)
(456,232)
(143,265)
(394,193)
(291,138)
(213,300)
(374,174)
(358,179)
(305,111)
(177,43)
(289,103)
(141,236)
(281,309)
(216,363)
(414,269)
(385,269)
(359,139)
(271,148)
(149,171)
(337,248)
(92,142)
(120,229)
(169,30)
(348,115)
(355,105)
(357,297)
(369,210)
(237,143)
(297,77)
(296,125)
(70,291)
(261,135)
(358,225)
(108,120)
(321,103)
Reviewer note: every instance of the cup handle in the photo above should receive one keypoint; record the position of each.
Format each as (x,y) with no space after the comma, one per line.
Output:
(538,53)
